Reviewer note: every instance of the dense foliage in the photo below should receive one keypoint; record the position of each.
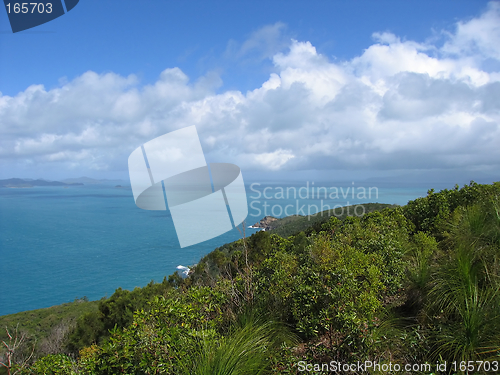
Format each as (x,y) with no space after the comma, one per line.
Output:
(412,284)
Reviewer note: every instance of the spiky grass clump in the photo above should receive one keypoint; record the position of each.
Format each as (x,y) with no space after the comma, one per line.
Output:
(465,296)
(244,351)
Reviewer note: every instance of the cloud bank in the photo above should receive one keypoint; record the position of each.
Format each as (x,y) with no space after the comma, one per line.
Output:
(398,105)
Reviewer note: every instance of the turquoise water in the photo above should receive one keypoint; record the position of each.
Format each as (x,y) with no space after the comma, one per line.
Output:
(59,244)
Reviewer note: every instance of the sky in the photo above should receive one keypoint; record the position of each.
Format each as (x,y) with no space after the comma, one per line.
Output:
(284,89)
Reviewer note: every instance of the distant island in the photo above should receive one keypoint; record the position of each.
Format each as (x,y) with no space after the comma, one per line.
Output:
(29,182)
(22,183)
(93,181)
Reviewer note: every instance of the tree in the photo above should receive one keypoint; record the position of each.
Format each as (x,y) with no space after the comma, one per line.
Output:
(15,358)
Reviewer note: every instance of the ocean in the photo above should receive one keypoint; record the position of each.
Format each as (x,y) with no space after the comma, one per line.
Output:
(58,244)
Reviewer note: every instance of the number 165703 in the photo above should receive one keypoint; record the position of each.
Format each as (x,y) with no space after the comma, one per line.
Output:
(29,8)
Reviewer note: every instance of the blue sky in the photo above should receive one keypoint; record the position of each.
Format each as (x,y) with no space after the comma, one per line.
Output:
(281,88)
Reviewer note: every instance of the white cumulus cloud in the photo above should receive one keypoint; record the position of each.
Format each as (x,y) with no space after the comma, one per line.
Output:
(398,105)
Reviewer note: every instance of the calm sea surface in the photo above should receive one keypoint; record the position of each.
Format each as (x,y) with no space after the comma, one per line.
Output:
(58,244)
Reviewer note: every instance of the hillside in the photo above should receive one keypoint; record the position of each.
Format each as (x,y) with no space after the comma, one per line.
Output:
(291,225)
(39,323)
(412,284)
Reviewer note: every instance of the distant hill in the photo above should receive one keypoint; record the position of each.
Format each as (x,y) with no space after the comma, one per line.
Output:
(93,181)
(82,180)
(26,183)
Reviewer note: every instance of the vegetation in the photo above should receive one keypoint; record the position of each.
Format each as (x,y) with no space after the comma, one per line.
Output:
(41,322)
(43,331)
(294,224)
(399,285)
